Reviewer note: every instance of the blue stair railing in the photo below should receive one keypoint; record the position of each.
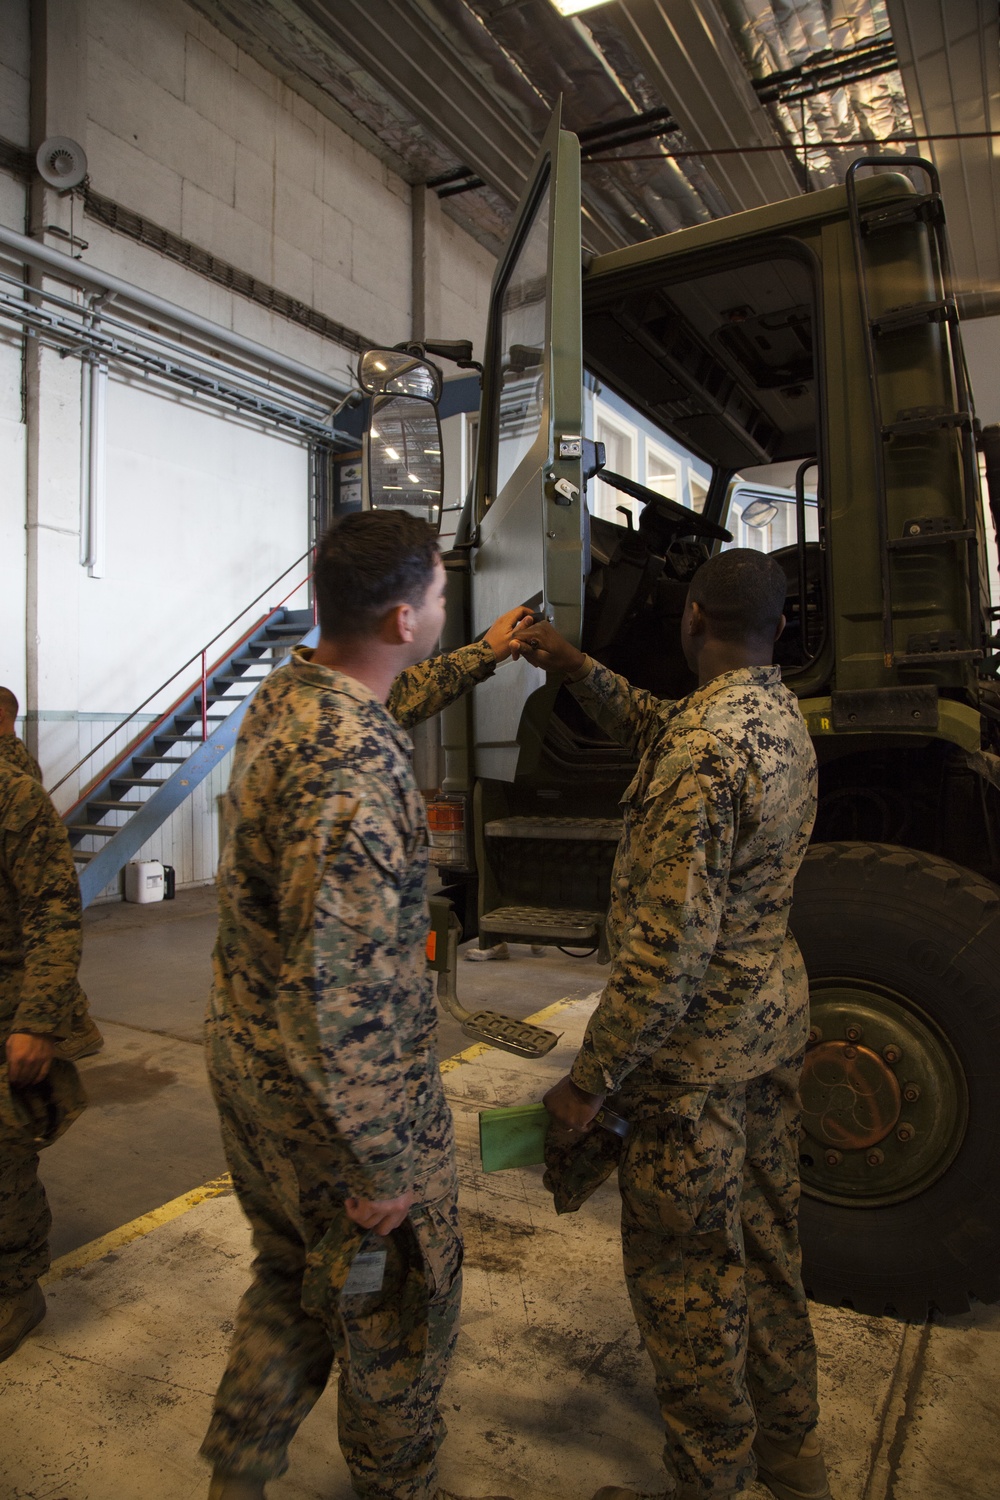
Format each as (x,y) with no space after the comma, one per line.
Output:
(133,796)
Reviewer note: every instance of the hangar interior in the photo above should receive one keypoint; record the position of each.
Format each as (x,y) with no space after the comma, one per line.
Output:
(259,192)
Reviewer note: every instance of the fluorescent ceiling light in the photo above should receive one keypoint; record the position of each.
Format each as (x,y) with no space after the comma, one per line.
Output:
(574,7)
(414,480)
(391,453)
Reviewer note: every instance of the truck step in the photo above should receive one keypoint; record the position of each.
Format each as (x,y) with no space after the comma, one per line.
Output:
(604,830)
(540,924)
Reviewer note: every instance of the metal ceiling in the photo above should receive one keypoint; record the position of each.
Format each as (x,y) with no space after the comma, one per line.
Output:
(666,96)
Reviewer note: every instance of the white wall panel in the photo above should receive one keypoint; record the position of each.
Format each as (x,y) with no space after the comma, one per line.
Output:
(202,512)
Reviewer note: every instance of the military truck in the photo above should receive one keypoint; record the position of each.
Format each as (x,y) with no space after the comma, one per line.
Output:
(813,346)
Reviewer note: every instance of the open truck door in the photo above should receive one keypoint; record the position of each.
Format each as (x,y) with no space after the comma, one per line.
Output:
(529,515)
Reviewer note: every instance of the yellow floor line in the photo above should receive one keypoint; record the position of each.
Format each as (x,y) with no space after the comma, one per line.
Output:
(85,1255)
(75,1260)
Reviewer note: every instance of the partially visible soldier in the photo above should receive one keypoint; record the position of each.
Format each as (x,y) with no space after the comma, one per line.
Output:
(39,957)
(321,1031)
(700,1033)
(84,1038)
(13,750)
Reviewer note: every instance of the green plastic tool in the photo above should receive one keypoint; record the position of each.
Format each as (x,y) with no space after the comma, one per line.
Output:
(512,1137)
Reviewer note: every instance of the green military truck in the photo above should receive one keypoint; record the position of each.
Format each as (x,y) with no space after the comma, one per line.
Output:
(811,347)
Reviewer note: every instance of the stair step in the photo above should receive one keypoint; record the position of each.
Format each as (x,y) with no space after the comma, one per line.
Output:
(107,806)
(101,829)
(543,924)
(605,830)
(135,781)
(81,856)
(159,760)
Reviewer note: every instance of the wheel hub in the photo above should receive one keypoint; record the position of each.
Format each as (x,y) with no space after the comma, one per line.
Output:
(884,1098)
(851,1098)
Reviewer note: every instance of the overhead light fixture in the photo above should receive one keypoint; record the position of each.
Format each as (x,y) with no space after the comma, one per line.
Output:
(413,478)
(574,7)
(391,453)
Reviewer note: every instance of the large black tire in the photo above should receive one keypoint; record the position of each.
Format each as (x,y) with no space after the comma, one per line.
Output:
(910,945)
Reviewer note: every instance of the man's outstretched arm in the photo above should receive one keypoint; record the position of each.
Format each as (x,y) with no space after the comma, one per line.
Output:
(629,714)
(423,690)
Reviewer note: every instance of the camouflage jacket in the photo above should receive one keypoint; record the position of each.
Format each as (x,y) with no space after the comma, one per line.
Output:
(14,753)
(322,1012)
(707,982)
(39,911)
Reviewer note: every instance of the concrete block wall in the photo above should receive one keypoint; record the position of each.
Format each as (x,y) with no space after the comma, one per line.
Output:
(186,130)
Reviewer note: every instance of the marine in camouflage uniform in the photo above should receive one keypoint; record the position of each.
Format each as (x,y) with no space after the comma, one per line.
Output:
(699,1035)
(320,1032)
(39,957)
(83,1037)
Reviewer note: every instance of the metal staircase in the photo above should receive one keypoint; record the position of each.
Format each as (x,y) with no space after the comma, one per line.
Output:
(136,794)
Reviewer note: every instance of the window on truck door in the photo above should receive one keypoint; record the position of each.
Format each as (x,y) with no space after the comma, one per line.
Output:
(521,341)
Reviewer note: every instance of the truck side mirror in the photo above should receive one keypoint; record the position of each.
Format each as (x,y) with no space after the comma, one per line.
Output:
(393,372)
(403,465)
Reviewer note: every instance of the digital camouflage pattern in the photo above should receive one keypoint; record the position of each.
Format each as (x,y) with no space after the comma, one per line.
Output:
(710,1191)
(15,753)
(321,1040)
(39,910)
(39,956)
(707,982)
(699,1033)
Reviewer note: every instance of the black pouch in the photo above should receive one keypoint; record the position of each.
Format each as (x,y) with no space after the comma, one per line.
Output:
(576,1168)
(39,1114)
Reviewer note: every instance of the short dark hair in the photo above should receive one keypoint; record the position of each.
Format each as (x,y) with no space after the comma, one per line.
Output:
(367,562)
(8,703)
(742,592)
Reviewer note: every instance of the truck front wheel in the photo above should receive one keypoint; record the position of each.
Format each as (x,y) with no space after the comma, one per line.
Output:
(901,1085)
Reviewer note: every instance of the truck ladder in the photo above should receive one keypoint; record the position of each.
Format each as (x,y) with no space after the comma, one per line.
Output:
(867,220)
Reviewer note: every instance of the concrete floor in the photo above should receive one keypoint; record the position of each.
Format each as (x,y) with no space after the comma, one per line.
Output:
(150,1133)
(550,1393)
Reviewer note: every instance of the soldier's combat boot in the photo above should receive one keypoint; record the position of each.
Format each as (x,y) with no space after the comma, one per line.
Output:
(790,1469)
(235,1487)
(19,1315)
(83,1041)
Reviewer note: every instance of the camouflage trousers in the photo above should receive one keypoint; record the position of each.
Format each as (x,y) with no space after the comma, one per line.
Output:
(393,1344)
(25,1220)
(710,1190)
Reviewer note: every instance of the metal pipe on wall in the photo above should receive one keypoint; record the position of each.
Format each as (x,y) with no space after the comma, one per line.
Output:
(96,378)
(76,273)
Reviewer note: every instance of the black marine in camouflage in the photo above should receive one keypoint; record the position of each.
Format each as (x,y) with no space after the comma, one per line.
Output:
(699,1033)
(321,1049)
